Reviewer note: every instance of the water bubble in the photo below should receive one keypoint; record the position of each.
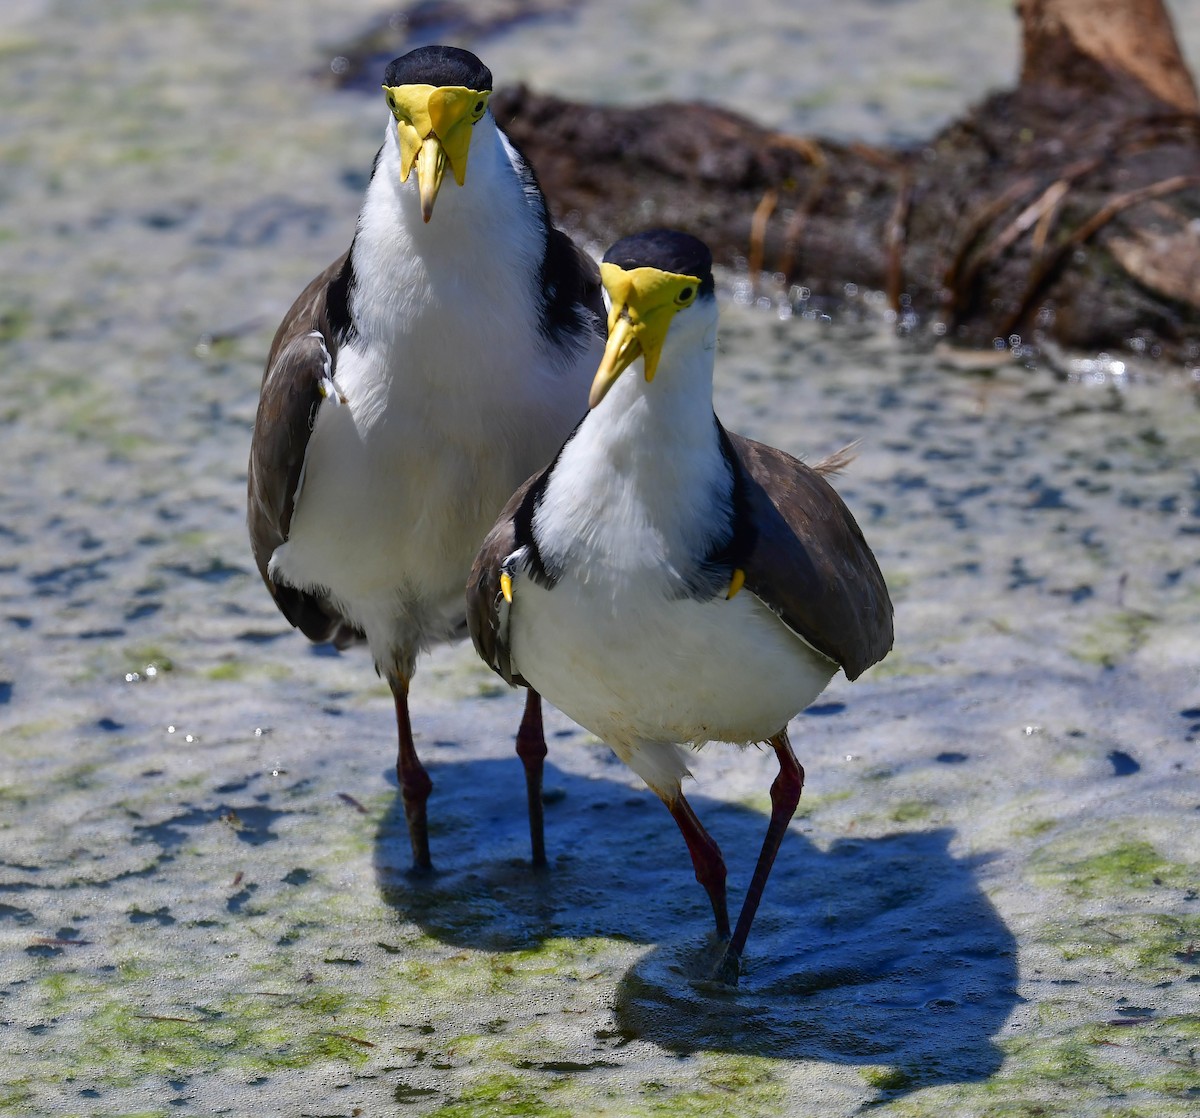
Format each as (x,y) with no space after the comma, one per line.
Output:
(339,64)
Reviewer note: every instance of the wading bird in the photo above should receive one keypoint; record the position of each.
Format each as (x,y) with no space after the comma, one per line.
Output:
(413,385)
(664,581)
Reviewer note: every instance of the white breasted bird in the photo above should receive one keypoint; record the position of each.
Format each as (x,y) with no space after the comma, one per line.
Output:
(666,582)
(413,385)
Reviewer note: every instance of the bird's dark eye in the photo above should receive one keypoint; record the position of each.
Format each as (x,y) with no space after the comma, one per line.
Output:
(479,107)
(685,296)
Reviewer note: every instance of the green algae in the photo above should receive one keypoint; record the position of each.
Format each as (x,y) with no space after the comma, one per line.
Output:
(733,1086)
(238,670)
(1114,638)
(1034,828)
(1160,1108)
(17,1096)
(15,323)
(141,659)
(14,797)
(909,811)
(1154,947)
(811,803)
(1081,1070)
(124,1039)
(504,1093)
(888,1078)
(1133,864)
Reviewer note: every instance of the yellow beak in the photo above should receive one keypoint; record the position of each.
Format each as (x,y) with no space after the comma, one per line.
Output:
(622,350)
(433,127)
(644,301)
(431,166)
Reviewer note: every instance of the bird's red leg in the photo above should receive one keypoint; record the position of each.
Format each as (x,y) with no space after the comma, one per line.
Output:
(706,858)
(415,784)
(785,795)
(531,748)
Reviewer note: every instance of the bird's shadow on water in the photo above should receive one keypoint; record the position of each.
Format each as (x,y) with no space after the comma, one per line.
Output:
(877,951)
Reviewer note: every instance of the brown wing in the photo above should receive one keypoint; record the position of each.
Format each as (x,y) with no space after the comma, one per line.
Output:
(300,358)
(810,563)
(570,280)
(485,602)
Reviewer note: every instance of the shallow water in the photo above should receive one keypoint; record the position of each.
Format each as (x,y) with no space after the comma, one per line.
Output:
(988,901)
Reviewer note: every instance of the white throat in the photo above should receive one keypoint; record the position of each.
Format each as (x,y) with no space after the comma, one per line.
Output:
(643,484)
(448,397)
(467,275)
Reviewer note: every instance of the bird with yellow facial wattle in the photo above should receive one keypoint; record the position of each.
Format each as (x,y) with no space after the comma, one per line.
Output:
(413,384)
(665,582)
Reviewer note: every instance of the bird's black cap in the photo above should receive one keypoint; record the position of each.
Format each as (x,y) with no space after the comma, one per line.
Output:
(666,249)
(438,66)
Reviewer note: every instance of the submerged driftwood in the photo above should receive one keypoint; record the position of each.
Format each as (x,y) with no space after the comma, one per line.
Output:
(1066,209)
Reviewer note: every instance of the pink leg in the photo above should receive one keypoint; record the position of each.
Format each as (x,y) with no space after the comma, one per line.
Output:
(706,858)
(785,795)
(415,784)
(531,748)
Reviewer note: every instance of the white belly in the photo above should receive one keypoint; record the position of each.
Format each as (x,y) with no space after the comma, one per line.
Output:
(654,670)
(397,495)
(397,510)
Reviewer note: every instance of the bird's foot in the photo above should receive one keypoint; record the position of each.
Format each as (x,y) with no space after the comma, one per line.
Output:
(713,969)
(728,968)
(420,871)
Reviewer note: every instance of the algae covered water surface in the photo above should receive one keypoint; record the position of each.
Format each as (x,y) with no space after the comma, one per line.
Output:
(987,904)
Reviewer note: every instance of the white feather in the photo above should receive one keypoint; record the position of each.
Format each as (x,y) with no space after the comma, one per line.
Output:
(640,491)
(452,398)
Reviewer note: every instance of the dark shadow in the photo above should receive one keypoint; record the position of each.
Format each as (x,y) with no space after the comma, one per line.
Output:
(607,845)
(878,951)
